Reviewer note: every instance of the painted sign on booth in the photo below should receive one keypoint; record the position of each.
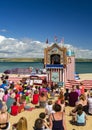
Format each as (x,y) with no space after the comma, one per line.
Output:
(55,77)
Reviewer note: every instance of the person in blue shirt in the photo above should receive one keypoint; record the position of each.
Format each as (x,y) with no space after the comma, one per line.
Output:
(3,85)
(80,118)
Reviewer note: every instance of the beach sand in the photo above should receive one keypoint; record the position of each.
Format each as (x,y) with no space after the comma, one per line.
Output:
(32,115)
(87,76)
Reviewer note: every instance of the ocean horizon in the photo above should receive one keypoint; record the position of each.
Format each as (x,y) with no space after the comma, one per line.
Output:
(80,67)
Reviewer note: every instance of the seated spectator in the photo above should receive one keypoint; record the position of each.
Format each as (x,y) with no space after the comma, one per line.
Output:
(66,96)
(17,96)
(49,108)
(62,106)
(90,104)
(82,100)
(6,95)
(4,118)
(39,124)
(3,85)
(2,77)
(21,124)
(42,100)
(23,99)
(80,117)
(28,96)
(78,90)
(18,87)
(35,99)
(1,104)
(7,80)
(1,93)
(14,109)
(42,115)
(52,93)
(20,108)
(86,93)
(60,98)
(82,88)
(43,90)
(10,101)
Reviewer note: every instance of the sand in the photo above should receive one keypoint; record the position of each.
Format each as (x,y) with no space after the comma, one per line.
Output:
(87,76)
(32,115)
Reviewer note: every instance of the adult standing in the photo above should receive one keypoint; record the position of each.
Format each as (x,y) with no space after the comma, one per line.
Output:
(57,119)
(73,97)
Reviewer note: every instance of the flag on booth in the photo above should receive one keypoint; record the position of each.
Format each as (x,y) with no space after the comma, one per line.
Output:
(55,38)
(47,41)
(62,40)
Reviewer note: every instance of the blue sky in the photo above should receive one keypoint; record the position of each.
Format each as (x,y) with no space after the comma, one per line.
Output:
(42,19)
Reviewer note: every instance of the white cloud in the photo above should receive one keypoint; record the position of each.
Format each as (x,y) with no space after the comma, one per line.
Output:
(2,38)
(10,47)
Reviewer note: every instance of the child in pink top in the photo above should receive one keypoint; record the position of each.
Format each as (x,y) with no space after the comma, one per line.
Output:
(5,97)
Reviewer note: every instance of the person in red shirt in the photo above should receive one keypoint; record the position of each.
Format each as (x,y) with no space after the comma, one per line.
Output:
(18,87)
(17,96)
(35,97)
(60,98)
(82,88)
(14,109)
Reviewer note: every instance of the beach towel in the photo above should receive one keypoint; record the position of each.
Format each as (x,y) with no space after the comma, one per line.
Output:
(28,108)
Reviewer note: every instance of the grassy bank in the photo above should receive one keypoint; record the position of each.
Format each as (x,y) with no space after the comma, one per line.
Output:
(35,60)
(20,59)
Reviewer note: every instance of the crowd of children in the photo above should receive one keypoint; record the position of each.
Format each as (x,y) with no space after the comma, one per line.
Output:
(15,98)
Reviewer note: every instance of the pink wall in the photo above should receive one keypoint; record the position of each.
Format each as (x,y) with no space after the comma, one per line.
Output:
(70,71)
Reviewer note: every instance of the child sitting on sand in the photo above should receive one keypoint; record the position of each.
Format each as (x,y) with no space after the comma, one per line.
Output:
(42,115)
(35,98)
(49,108)
(80,118)
(14,109)
(39,124)
(21,124)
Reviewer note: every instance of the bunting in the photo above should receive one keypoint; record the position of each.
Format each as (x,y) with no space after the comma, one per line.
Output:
(47,41)
(62,40)
(55,38)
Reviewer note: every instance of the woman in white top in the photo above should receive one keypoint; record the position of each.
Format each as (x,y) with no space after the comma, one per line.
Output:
(49,108)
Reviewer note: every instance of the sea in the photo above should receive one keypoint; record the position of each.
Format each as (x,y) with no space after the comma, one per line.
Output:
(80,67)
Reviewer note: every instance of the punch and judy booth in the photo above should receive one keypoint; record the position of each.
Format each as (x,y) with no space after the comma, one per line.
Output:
(59,63)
